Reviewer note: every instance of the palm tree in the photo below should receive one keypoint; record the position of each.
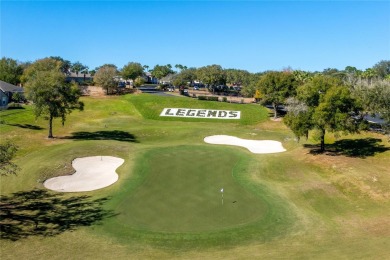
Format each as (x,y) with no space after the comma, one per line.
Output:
(369,74)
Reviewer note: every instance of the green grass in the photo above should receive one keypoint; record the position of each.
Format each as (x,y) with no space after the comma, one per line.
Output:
(167,202)
(151,106)
(176,199)
(181,192)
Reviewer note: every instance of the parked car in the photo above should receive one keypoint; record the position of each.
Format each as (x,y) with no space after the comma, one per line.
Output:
(198,86)
(184,91)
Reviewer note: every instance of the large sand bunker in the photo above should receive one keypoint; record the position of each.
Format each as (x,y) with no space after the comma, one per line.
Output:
(255,146)
(92,173)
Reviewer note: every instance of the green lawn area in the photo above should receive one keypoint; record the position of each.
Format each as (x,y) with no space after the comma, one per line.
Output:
(167,203)
(181,193)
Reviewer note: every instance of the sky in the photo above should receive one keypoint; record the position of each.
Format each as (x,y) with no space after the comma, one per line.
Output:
(251,35)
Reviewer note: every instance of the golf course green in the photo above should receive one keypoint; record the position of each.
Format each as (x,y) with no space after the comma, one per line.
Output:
(181,192)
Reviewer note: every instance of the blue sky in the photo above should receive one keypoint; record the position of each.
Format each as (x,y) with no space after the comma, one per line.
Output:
(251,35)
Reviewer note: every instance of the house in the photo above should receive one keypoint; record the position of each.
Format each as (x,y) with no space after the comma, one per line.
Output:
(6,92)
(81,77)
(167,79)
(150,79)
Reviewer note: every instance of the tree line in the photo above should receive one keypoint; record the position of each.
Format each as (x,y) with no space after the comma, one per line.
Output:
(11,71)
(329,101)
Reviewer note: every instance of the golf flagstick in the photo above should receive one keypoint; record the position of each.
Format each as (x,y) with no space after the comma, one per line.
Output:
(222,195)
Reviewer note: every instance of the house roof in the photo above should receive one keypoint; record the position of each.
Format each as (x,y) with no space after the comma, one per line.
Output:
(81,75)
(168,77)
(7,87)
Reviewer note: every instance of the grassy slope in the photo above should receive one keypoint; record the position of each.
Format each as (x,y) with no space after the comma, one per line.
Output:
(341,202)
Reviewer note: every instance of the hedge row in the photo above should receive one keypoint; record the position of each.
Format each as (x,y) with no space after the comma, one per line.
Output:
(209,98)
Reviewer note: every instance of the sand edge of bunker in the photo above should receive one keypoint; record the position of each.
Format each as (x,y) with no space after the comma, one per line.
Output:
(254,146)
(92,173)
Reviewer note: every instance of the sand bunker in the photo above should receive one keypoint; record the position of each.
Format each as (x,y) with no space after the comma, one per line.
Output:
(255,146)
(92,173)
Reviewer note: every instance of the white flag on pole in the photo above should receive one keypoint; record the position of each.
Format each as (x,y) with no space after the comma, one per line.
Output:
(222,190)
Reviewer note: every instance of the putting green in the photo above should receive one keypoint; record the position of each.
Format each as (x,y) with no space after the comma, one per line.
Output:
(180,191)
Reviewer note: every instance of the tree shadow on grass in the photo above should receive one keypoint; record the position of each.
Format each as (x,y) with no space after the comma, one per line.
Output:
(41,213)
(28,126)
(361,148)
(104,135)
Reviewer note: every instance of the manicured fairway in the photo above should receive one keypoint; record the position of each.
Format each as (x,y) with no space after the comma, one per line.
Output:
(181,192)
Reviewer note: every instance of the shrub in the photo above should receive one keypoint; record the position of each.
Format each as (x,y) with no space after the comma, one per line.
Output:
(14,106)
(212,98)
(208,98)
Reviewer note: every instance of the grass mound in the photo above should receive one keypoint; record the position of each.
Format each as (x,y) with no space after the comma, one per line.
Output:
(150,106)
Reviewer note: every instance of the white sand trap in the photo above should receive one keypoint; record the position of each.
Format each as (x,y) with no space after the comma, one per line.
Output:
(92,173)
(255,146)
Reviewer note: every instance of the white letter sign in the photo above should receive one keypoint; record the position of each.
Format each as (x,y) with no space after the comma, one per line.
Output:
(201,113)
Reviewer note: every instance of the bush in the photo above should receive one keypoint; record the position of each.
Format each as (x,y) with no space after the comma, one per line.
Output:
(212,98)
(14,106)
(224,99)
(208,98)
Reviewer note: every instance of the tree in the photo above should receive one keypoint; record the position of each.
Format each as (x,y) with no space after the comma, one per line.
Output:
(249,90)
(382,68)
(108,65)
(185,76)
(132,70)
(381,93)
(179,67)
(298,118)
(51,95)
(179,81)
(334,112)
(302,76)
(139,81)
(78,67)
(17,97)
(237,77)
(146,67)
(92,72)
(369,74)
(7,153)
(257,95)
(374,99)
(351,75)
(66,65)
(326,105)
(10,71)
(104,78)
(161,71)
(212,75)
(276,87)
